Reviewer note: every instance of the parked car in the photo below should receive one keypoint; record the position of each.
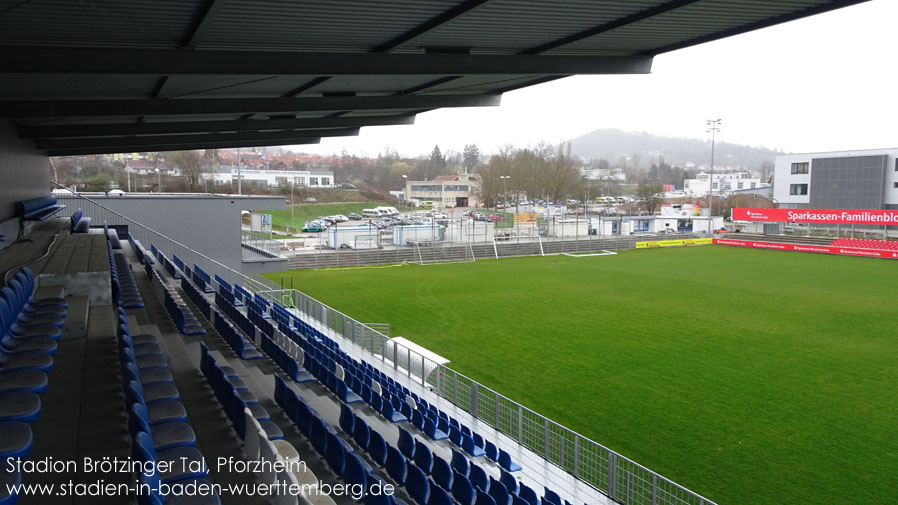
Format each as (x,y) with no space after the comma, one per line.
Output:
(341,218)
(310,200)
(313,227)
(496,217)
(328,220)
(481,217)
(354,217)
(440,215)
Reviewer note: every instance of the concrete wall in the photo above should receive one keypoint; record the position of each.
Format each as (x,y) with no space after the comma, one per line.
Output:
(24,174)
(208,224)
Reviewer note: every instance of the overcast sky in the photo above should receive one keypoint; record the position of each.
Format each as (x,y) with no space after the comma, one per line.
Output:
(822,83)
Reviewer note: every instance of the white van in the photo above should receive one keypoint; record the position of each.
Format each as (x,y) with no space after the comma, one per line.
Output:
(370,213)
(387,211)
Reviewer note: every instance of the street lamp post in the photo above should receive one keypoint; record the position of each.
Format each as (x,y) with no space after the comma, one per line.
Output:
(405,192)
(292,205)
(713,127)
(505,197)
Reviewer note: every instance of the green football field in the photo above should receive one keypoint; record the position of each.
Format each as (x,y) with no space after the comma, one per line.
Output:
(748,376)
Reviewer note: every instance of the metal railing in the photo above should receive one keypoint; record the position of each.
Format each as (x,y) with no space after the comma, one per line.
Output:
(99,214)
(618,477)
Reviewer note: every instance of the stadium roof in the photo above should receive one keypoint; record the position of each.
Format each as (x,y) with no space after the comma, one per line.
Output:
(99,76)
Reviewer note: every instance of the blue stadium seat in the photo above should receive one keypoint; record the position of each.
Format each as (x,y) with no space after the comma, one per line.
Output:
(417,485)
(467,443)
(347,418)
(441,473)
(377,448)
(406,444)
(528,494)
(462,489)
(439,496)
(335,454)
(16,440)
(551,496)
(318,435)
(23,379)
(499,492)
(354,472)
(460,463)
(455,435)
(491,451)
(361,433)
(478,478)
(484,499)
(164,435)
(19,406)
(506,462)
(389,413)
(396,465)
(423,457)
(508,480)
(431,431)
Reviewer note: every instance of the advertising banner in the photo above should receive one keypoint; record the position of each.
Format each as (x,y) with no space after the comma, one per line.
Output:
(672,243)
(828,216)
(525,217)
(825,249)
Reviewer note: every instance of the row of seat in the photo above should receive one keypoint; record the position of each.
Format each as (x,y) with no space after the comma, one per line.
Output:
(859,243)
(180,313)
(139,250)
(124,287)
(39,209)
(202,279)
(298,348)
(157,420)
(337,453)
(29,331)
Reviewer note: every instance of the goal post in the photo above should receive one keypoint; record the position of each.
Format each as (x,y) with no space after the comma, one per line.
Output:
(441,253)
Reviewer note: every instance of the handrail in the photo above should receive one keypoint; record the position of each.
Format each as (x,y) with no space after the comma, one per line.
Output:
(149,235)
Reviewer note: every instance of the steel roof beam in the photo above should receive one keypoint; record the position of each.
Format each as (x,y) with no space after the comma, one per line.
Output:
(430,24)
(55,144)
(757,25)
(74,151)
(611,25)
(93,108)
(186,127)
(85,61)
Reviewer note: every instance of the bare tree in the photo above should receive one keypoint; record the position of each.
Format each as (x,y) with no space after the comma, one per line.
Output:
(191,165)
(650,193)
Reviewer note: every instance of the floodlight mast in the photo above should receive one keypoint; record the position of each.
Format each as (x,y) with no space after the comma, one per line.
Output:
(713,127)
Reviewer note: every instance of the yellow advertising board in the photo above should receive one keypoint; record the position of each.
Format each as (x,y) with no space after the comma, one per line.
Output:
(673,243)
(525,217)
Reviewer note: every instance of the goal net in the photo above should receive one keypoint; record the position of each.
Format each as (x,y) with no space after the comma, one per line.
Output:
(441,253)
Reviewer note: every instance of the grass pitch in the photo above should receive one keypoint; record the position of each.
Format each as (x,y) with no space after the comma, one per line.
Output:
(747,376)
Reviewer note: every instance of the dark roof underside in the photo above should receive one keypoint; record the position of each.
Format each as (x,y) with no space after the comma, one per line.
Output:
(130,75)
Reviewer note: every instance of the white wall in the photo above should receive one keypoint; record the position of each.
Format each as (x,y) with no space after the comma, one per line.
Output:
(783,177)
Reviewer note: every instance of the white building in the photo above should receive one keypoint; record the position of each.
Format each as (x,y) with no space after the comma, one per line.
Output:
(723,183)
(274,178)
(863,179)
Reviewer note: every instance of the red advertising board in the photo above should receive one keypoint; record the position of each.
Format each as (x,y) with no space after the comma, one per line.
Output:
(825,249)
(829,216)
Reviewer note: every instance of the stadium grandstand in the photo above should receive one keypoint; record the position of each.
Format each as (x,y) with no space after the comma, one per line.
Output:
(134,370)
